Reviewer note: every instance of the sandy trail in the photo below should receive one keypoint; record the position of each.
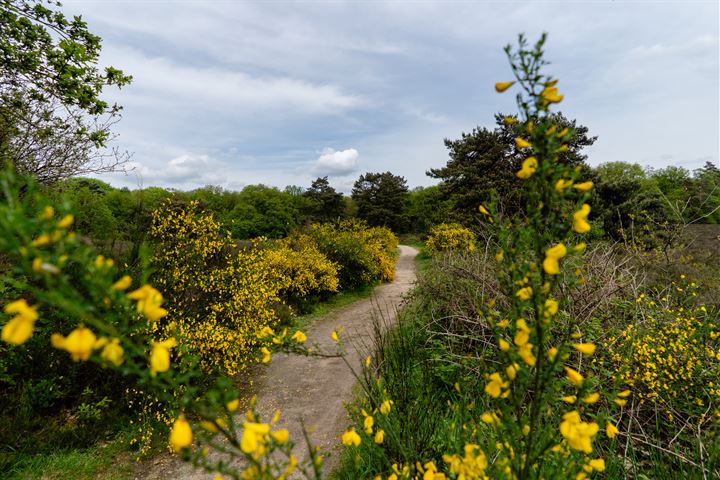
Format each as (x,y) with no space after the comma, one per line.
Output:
(315,389)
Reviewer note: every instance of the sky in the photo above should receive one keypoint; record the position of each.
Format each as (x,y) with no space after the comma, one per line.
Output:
(232,93)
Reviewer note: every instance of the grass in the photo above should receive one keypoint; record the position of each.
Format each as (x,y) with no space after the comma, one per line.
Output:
(336,302)
(109,461)
(422,260)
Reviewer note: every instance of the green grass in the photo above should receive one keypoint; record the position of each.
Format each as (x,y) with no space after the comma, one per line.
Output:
(422,260)
(336,302)
(109,461)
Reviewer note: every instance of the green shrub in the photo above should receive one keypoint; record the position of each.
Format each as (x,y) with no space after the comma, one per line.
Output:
(450,236)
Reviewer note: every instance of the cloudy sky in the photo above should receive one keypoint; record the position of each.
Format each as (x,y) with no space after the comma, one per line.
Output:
(233,93)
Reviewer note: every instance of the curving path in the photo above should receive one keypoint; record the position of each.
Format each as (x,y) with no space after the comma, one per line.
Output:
(315,389)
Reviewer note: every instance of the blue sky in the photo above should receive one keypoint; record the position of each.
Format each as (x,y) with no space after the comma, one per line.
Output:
(234,93)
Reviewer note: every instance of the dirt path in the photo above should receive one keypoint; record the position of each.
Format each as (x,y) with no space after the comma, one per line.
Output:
(315,389)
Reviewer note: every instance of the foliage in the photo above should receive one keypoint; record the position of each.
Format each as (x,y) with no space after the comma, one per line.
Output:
(219,294)
(483,163)
(262,211)
(450,236)
(111,328)
(302,270)
(526,354)
(54,121)
(427,207)
(381,200)
(324,204)
(364,255)
(669,354)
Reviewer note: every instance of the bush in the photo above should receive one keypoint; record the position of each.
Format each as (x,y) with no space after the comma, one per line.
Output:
(302,270)
(450,236)
(219,294)
(364,255)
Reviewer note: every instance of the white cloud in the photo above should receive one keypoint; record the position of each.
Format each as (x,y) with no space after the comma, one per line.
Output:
(185,171)
(336,163)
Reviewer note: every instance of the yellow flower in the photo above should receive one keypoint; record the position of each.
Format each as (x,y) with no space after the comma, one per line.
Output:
(620,402)
(47,213)
(585,348)
(490,418)
(504,345)
(522,143)
(591,398)
(522,337)
(569,399)
(551,264)
(181,435)
(299,337)
(368,424)
(66,221)
(597,464)
(281,436)
(580,223)
(483,210)
(334,336)
(550,95)
(79,343)
(584,186)
(266,355)
(624,394)
(351,438)
(551,307)
(160,355)
(149,301)
(502,86)
(368,361)
(379,436)
(123,283)
(41,241)
(253,435)
(511,370)
(232,405)
(578,434)
(529,167)
(209,426)
(562,184)
(495,385)
(266,332)
(526,353)
(580,247)
(552,352)
(524,293)
(499,256)
(19,328)
(112,352)
(611,430)
(574,376)
(385,406)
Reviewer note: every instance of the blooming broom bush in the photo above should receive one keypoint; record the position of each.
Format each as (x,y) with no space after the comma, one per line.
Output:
(302,270)
(219,294)
(116,322)
(364,255)
(450,236)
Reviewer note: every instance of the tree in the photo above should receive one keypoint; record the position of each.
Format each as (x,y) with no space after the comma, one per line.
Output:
(381,200)
(426,208)
(54,123)
(323,203)
(484,162)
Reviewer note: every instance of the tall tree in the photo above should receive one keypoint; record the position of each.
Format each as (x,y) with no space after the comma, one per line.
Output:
(324,203)
(381,200)
(484,162)
(54,123)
